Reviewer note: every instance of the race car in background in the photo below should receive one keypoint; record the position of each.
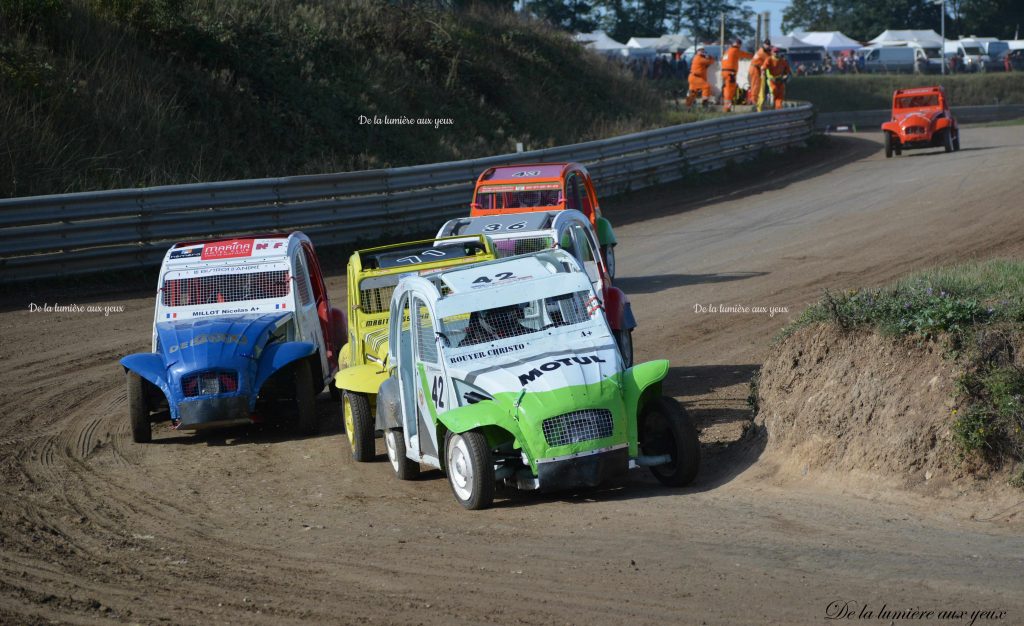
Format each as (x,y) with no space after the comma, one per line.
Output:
(920,119)
(507,371)
(372,276)
(239,325)
(521,233)
(544,187)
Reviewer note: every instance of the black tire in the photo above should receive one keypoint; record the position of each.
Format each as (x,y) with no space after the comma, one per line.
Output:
(355,413)
(138,409)
(667,429)
(305,398)
(470,469)
(888,145)
(956,141)
(947,140)
(624,340)
(334,391)
(608,252)
(404,467)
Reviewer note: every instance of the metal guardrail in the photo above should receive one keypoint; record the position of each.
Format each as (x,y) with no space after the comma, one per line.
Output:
(68,234)
(872,120)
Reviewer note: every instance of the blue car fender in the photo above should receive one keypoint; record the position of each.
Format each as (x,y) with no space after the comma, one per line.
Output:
(151,367)
(279,355)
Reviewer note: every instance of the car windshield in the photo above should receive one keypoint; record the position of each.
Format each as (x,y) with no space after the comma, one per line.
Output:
(525,318)
(522,245)
(187,289)
(973,50)
(916,102)
(931,53)
(518,196)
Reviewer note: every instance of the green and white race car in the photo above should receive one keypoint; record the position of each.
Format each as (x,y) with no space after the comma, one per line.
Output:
(507,371)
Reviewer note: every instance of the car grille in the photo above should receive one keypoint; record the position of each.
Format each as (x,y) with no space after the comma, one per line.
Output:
(914,130)
(578,426)
(209,384)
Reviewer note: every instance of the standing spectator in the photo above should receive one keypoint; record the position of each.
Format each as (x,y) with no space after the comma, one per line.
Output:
(860,63)
(1007,65)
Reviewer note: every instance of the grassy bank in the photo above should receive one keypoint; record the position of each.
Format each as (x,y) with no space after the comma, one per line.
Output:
(874,91)
(977,311)
(98,94)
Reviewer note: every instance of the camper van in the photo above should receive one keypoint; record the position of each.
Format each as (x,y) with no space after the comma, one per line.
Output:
(903,58)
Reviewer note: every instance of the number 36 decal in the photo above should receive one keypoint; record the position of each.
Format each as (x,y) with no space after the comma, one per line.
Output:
(490,228)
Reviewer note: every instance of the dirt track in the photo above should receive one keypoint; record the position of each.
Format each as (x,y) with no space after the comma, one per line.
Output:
(256,525)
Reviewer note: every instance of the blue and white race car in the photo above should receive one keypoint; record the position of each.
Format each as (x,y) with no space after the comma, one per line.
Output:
(239,325)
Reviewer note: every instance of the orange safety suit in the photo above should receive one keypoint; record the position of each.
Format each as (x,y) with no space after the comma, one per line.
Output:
(754,74)
(699,78)
(731,65)
(777,72)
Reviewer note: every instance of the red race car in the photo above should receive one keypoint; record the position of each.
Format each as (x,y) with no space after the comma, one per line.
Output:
(920,119)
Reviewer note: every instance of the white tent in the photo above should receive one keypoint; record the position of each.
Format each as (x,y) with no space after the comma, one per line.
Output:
(663,44)
(903,36)
(833,41)
(790,43)
(598,40)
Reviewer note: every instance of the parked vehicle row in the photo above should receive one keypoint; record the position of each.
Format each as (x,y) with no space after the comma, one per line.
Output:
(499,351)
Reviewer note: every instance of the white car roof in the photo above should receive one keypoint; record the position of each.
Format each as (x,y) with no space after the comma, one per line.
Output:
(234,252)
(513,225)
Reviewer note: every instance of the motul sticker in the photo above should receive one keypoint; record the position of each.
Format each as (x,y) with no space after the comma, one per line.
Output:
(227,249)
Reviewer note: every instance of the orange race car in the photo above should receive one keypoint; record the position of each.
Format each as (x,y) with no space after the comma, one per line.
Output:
(920,119)
(543,187)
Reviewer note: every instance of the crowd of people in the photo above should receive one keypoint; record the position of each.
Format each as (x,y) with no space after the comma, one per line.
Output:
(660,68)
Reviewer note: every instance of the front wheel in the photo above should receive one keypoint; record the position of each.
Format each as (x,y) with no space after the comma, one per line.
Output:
(667,429)
(138,410)
(355,408)
(624,339)
(956,141)
(888,145)
(947,140)
(305,398)
(470,469)
(609,259)
(405,468)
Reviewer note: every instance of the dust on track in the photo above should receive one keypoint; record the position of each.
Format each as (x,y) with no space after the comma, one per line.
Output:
(259,525)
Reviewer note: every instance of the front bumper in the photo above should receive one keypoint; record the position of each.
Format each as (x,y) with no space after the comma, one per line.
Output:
(213,412)
(584,469)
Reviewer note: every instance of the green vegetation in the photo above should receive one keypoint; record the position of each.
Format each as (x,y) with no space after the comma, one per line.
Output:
(98,94)
(860,92)
(978,309)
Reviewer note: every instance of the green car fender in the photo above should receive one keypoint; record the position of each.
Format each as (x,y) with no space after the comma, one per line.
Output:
(640,383)
(361,378)
(493,420)
(605,234)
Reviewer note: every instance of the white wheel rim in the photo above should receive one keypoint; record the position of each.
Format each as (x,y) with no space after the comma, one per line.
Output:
(610,260)
(389,441)
(460,468)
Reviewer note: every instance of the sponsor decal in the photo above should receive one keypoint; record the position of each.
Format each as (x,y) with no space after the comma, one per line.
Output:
(493,352)
(551,366)
(186,253)
(199,340)
(529,187)
(524,173)
(264,246)
(227,249)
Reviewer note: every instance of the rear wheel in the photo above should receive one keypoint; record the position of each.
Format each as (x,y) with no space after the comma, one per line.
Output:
(667,429)
(138,410)
(947,140)
(305,398)
(888,145)
(358,425)
(470,469)
(405,468)
(624,339)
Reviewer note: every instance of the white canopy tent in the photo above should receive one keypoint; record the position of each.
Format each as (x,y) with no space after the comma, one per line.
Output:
(901,37)
(663,44)
(599,41)
(833,41)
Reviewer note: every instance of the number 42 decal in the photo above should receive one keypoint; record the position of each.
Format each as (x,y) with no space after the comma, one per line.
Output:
(498,276)
(437,391)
